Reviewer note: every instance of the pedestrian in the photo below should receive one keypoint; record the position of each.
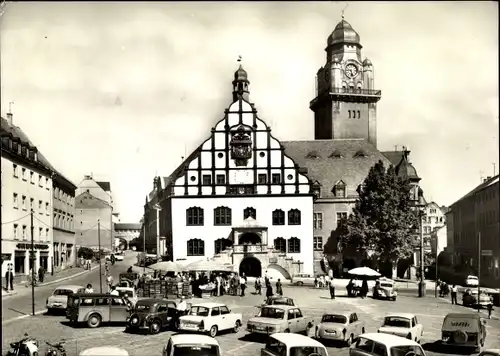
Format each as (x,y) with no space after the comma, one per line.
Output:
(9,277)
(113,291)
(258,285)
(41,274)
(109,281)
(89,289)
(332,288)
(279,288)
(89,264)
(489,306)
(269,291)
(364,289)
(454,290)
(243,284)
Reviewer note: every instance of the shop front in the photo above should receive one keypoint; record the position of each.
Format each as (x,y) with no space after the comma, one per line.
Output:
(22,262)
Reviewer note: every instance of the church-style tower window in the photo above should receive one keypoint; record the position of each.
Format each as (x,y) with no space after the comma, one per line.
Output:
(340,190)
(293,245)
(276,178)
(196,247)
(221,179)
(280,244)
(194,216)
(262,178)
(222,216)
(207,179)
(278,217)
(249,213)
(294,217)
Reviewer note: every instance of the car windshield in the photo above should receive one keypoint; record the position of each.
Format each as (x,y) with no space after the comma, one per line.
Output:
(307,350)
(406,351)
(273,313)
(142,307)
(281,301)
(397,322)
(63,292)
(334,319)
(386,285)
(196,350)
(199,311)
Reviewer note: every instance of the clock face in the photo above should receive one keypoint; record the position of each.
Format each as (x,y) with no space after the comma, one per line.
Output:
(351,70)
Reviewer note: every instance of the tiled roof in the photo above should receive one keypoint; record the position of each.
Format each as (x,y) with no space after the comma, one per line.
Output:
(127,226)
(17,132)
(486,183)
(347,164)
(106,186)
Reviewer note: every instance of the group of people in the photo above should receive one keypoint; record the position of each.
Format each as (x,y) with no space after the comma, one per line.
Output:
(357,287)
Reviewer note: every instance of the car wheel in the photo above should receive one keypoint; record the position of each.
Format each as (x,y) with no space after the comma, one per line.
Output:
(34,353)
(349,340)
(287,330)
(300,283)
(237,326)
(94,321)
(213,331)
(155,327)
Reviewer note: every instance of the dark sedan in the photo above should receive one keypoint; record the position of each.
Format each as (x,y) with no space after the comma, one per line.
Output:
(153,315)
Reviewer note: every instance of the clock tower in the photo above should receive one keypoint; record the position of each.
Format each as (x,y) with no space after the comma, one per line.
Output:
(346,99)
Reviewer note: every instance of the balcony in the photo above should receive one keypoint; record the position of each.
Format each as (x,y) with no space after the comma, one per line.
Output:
(349,95)
(250,248)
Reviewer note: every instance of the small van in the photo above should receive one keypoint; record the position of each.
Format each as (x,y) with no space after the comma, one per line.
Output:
(464,329)
(96,308)
(289,344)
(301,279)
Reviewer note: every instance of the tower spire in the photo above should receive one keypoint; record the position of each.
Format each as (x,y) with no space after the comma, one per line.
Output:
(240,83)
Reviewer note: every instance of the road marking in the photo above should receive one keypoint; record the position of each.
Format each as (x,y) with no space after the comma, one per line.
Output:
(17,318)
(241,347)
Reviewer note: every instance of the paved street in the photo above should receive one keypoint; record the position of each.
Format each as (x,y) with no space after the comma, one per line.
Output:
(313,302)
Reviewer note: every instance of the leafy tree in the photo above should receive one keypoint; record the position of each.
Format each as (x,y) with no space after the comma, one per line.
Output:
(383,222)
(86,253)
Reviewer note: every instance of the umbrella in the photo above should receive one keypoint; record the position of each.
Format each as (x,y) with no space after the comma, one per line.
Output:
(363,271)
(201,266)
(166,266)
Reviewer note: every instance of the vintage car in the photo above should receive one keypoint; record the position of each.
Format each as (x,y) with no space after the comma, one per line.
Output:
(384,289)
(59,298)
(130,292)
(463,329)
(96,308)
(279,318)
(285,344)
(301,279)
(373,344)
(188,344)
(104,351)
(345,327)
(404,325)
(210,318)
(470,299)
(490,352)
(279,300)
(153,314)
(471,281)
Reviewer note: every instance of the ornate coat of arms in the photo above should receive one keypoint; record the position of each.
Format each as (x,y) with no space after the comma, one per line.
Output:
(241,146)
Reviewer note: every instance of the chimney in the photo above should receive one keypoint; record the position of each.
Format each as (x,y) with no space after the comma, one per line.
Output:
(10,118)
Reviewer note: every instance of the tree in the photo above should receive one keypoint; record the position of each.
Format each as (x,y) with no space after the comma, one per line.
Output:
(86,253)
(383,221)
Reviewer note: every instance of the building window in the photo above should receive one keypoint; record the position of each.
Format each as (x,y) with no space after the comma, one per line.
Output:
(15,201)
(222,216)
(276,178)
(318,243)
(23,202)
(32,203)
(262,178)
(221,179)
(278,217)
(293,245)
(194,216)
(47,208)
(294,217)
(23,173)
(339,190)
(341,216)
(32,180)
(249,213)
(47,235)
(280,244)
(24,232)
(40,207)
(196,247)
(47,183)
(15,231)
(40,182)
(221,244)
(14,170)
(318,221)
(40,233)
(207,179)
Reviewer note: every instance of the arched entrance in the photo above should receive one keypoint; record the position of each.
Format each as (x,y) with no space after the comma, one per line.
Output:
(251,267)
(249,238)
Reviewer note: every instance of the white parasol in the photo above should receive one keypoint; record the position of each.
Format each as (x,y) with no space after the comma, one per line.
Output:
(167,266)
(364,271)
(201,266)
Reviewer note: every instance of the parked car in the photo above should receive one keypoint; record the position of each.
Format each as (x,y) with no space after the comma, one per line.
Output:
(384,289)
(154,315)
(404,325)
(285,344)
(96,308)
(279,300)
(104,351)
(470,299)
(210,318)
(490,352)
(464,329)
(301,279)
(279,318)
(471,281)
(374,344)
(59,298)
(130,292)
(188,344)
(345,327)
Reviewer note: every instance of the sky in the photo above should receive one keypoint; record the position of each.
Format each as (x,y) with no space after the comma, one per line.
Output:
(125,90)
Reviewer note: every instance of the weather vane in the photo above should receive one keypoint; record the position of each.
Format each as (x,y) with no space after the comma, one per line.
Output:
(240,58)
(345,8)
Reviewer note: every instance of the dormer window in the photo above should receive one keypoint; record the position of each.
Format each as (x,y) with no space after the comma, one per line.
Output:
(316,189)
(360,153)
(339,190)
(313,155)
(336,154)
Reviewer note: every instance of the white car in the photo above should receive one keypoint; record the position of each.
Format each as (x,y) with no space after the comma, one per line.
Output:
(471,281)
(384,344)
(301,279)
(403,325)
(118,257)
(104,351)
(59,298)
(187,344)
(210,318)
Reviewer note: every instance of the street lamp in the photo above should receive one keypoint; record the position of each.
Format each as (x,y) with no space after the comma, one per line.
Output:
(419,203)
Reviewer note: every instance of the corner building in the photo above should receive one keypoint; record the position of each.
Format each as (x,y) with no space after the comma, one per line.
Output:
(241,198)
